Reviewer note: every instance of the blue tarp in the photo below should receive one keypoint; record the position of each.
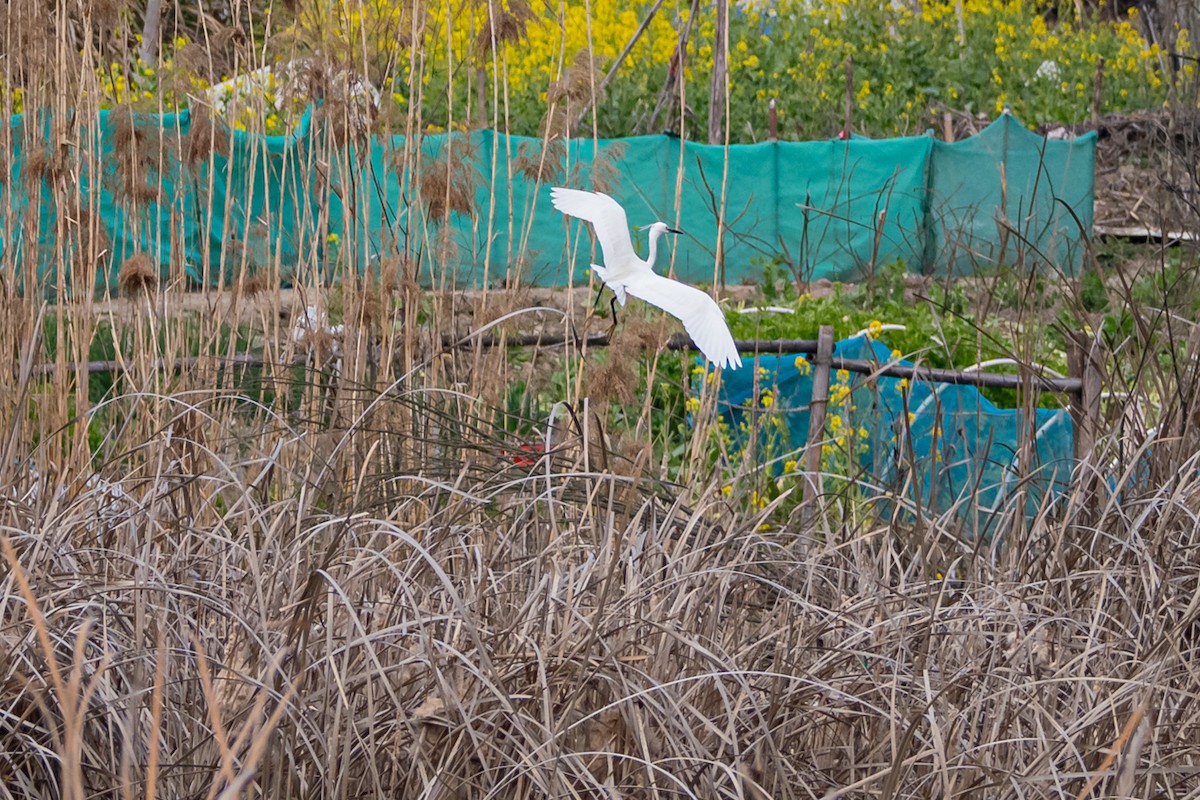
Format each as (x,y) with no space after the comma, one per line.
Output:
(957,453)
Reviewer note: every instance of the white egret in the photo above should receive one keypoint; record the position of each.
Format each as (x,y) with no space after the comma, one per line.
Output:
(625,273)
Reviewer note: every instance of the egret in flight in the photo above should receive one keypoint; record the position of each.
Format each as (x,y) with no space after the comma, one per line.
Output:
(625,273)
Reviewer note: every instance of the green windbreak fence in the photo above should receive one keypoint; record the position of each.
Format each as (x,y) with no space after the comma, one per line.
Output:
(1008,194)
(466,209)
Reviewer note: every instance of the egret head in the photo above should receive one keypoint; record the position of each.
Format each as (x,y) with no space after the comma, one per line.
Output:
(657,229)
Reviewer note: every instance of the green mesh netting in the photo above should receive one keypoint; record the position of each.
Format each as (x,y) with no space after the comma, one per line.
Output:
(830,209)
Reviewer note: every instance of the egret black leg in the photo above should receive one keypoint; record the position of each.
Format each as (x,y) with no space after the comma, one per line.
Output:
(599,292)
(613,305)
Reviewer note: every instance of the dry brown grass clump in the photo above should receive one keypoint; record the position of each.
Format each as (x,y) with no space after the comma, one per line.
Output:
(205,136)
(139,151)
(579,82)
(255,283)
(505,24)
(616,380)
(541,164)
(138,276)
(449,186)
(45,164)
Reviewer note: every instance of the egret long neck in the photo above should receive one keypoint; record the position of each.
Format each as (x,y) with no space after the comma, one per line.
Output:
(655,235)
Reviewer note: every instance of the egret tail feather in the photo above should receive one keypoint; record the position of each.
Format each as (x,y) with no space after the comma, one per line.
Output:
(617,288)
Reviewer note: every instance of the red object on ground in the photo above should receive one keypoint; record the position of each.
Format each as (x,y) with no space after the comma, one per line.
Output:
(522,460)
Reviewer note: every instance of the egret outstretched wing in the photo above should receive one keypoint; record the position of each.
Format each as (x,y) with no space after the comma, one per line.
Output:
(608,219)
(701,316)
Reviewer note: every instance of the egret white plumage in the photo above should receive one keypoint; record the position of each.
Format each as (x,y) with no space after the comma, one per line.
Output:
(625,273)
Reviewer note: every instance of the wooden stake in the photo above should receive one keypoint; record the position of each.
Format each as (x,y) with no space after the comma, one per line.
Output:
(716,97)
(1097,85)
(481,96)
(1083,358)
(772,121)
(817,407)
(849,121)
(151,30)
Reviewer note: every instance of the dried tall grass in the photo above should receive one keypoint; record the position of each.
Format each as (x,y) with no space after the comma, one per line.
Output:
(390,605)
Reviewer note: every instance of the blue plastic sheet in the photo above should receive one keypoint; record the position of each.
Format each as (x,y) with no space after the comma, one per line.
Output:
(956,453)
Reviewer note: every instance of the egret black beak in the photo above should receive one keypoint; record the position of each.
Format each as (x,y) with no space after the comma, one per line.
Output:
(672,230)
